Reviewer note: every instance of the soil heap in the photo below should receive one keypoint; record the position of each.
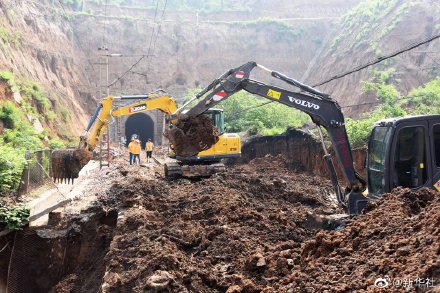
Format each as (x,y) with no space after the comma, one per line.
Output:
(244,231)
(192,135)
(398,237)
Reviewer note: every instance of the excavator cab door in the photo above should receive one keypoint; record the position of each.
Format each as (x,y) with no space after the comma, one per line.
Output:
(410,164)
(378,160)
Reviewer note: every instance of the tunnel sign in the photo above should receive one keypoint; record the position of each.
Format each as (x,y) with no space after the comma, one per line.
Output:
(137,108)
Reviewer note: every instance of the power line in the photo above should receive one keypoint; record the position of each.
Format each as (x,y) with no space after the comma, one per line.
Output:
(151,47)
(358,68)
(380,59)
(143,56)
(157,35)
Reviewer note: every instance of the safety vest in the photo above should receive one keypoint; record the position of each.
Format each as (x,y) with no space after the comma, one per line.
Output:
(136,147)
(149,146)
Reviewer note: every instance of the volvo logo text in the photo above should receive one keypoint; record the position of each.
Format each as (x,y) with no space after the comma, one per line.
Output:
(303,103)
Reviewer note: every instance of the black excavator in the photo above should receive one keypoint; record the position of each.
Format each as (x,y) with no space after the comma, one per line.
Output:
(401,151)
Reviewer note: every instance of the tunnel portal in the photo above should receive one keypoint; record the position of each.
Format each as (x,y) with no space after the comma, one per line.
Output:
(142,125)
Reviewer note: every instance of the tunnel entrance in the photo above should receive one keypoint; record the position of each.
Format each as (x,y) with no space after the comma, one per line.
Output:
(142,125)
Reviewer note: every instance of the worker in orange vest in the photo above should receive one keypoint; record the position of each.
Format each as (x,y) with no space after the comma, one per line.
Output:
(136,150)
(130,150)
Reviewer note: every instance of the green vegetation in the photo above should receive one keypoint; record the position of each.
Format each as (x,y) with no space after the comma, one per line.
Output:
(12,163)
(179,5)
(56,144)
(7,37)
(17,137)
(283,29)
(422,100)
(19,134)
(65,115)
(14,218)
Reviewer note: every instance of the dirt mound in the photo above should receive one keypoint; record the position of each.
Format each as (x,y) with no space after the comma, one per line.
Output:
(191,135)
(211,235)
(398,238)
(243,231)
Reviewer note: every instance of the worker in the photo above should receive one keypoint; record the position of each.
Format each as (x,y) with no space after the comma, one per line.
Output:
(136,149)
(130,150)
(149,148)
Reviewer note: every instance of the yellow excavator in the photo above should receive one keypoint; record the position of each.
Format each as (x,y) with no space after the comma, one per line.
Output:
(66,163)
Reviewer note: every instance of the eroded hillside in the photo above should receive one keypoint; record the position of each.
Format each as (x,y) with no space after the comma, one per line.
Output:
(38,47)
(370,31)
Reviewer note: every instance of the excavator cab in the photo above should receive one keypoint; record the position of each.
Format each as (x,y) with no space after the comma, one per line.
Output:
(218,118)
(404,152)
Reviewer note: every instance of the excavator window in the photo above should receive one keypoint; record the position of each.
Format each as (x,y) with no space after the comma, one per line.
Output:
(377,150)
(410,157)
(217,118)
(436,136)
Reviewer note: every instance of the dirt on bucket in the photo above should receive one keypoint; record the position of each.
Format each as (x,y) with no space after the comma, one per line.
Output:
(67,163)
(191,135)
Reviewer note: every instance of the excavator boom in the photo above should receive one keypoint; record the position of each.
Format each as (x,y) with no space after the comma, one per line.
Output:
(323,111)
(67,163)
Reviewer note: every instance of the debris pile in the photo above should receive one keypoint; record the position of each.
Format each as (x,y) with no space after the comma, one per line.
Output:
(211,235)
(398,238)
(244,231)
(192,135)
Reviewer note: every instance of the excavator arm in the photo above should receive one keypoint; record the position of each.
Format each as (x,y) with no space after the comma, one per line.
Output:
(104,112)
(324,112)
(66,163)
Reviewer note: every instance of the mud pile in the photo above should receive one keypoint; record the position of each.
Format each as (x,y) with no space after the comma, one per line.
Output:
(245,230)
(192,135)
(210,235)
(398,239)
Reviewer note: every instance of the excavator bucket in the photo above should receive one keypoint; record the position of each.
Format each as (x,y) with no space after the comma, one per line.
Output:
(191,135)
(66,163)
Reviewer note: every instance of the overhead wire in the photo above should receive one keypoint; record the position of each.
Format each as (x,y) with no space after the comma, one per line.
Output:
(143,56)
(380,59)
(151,45)
(360,67)
(157,35)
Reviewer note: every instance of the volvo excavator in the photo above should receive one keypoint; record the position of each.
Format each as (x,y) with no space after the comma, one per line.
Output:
(66,163)
(401,151)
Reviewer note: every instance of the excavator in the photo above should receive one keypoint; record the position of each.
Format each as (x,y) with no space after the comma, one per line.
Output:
(401,151)
(66,163)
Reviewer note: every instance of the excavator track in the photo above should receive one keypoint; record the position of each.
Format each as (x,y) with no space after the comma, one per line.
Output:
(174,170)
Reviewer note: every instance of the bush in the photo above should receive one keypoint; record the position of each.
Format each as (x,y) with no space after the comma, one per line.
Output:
(14,218)
(243,113)
(33,91)
(12,163)
(51,116)
(65,115)
(55,143)
(10,115)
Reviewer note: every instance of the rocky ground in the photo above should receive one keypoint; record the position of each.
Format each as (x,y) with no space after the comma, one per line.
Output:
(246,231)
